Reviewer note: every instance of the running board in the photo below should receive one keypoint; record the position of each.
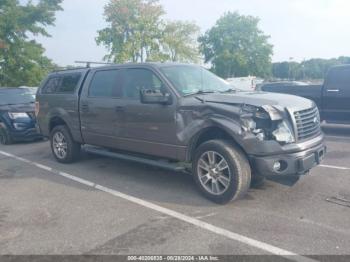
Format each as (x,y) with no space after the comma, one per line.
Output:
(177,167)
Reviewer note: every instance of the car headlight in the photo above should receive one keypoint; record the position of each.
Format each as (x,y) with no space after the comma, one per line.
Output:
(250,126)
(267,123)
(283,133)
(14,116)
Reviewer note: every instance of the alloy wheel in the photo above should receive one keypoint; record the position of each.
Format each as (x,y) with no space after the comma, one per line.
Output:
(60,146)
(214,173)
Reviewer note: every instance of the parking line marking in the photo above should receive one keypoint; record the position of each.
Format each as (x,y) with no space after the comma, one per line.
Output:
(335,167)
(171,213)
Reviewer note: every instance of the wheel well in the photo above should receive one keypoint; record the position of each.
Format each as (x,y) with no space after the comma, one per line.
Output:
(56,121)
(210,134)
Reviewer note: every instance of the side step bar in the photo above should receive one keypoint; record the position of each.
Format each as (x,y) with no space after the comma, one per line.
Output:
(177,167)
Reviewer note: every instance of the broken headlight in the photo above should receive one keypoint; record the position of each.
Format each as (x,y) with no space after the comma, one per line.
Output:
(255,120)
(283,133)
(267,123)
(251,126)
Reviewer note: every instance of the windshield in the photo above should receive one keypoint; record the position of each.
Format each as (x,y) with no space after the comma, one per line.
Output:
(16,96)
(194,79)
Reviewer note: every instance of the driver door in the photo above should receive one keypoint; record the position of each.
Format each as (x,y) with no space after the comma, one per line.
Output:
(147,128)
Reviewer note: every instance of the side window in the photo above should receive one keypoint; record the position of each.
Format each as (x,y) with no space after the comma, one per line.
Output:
(344,77)
(51,85)
(69,83)
(106,84)
(137,79)
(339,77)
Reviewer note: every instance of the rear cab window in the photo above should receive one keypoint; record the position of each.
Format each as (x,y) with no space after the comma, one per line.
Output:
(62,84)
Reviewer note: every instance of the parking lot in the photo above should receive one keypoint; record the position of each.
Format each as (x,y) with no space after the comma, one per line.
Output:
(106,206)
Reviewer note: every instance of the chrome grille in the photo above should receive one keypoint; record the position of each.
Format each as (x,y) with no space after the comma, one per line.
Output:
(308,123)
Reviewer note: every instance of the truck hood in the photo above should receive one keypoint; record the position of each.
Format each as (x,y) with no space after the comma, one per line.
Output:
(20,108)
(258,99)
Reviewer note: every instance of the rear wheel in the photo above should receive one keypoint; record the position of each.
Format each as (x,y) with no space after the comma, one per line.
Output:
(5,138)
(63,147)
(221,171)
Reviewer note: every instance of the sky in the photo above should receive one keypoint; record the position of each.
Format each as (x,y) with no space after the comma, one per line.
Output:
(298,29)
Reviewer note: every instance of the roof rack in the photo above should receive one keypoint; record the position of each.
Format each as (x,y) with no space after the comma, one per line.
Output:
(89,63)
(67,69)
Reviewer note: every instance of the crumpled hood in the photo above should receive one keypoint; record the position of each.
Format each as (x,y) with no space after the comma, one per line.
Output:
(292,102)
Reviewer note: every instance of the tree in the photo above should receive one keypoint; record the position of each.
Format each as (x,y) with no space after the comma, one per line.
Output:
(133,31)
(22,60)
(180,41)
(235,46)
(315,68)
(280,70)
(137,32)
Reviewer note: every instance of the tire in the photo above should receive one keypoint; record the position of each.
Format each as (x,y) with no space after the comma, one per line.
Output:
(5,138)
(63,147)
(232,182)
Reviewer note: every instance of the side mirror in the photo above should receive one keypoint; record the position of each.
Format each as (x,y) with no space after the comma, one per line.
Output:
(155,97)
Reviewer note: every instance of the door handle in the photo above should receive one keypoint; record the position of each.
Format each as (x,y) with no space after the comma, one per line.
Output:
(119,109)
(333,90)
(85,108)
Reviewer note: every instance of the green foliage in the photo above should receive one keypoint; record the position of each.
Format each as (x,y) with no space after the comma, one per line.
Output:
(306,70)
(133,31)
(180,41)
(235,46)
(22,61)
(138,33)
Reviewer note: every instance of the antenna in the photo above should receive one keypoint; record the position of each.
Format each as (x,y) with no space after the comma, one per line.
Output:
(88,63)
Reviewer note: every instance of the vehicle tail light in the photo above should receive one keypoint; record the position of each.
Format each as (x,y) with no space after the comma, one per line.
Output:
(37,108)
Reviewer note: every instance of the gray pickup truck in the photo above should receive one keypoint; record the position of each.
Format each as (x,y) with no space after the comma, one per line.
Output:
(182,114)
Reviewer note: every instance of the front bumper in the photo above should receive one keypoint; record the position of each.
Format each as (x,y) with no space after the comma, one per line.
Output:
(29,134)
(297,163)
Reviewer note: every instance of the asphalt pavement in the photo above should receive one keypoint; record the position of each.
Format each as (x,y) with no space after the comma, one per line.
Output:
(107,206)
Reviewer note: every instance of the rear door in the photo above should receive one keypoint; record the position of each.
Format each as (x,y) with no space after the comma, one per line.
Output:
(98,108)
(336,95)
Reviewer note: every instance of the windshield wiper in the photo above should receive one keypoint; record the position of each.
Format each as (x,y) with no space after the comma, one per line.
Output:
(201,92)
(231,90)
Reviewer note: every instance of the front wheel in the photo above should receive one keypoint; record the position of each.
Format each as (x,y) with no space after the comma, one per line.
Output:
(221,171)
(63,147)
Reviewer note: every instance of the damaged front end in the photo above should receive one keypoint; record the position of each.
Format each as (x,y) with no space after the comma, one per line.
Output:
(272,144)
(266,130)
(267,123)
